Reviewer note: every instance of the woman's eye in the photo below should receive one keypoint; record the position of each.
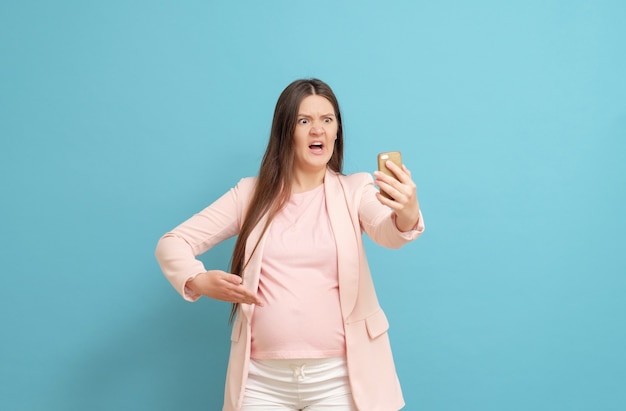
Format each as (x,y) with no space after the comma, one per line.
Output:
(303,121)
(328,120)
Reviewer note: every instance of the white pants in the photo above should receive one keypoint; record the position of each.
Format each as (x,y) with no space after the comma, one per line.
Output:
(308,384)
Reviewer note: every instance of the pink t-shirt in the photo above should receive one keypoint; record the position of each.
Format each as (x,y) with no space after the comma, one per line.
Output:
(299,285)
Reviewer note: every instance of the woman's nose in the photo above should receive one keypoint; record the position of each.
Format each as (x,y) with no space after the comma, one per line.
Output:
(317,129)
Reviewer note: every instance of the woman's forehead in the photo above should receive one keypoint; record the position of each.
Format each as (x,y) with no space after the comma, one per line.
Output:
(316,104)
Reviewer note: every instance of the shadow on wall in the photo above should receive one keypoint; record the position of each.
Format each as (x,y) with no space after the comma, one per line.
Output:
(175,358)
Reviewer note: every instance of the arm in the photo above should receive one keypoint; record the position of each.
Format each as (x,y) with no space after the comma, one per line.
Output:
(388,226)
(176,251)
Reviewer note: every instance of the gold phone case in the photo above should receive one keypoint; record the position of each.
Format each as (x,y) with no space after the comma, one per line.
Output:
(394,156)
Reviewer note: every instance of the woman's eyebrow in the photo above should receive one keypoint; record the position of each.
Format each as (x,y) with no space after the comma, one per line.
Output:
(310,116)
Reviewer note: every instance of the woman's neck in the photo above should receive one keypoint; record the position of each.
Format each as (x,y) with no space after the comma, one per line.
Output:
(306,181)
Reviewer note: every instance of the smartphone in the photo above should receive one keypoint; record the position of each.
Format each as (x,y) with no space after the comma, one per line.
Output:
(394,156)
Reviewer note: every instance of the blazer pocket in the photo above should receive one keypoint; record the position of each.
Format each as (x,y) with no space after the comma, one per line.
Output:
(376,324)
(236,333)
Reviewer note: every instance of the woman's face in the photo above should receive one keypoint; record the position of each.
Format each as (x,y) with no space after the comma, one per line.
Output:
(315,134)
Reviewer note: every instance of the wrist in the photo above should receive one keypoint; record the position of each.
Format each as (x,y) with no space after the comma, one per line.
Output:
(408,222)
(192,283)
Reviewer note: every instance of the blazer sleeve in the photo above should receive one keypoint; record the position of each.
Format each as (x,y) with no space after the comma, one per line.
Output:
(378,221)
(177,250)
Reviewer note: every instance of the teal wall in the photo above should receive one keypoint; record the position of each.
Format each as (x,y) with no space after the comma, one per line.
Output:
(120,119)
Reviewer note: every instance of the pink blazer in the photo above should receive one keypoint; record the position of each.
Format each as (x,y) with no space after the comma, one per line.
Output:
(352,209)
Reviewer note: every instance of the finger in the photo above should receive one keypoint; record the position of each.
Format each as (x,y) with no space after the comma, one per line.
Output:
(398,175)
(256,301)
(250,298)
(401,173)
(399,192)
(394,168)
(390,185)
(406,170)
(233,279)
(387,188)
(389,191)
(241,294)
(386,202)
(380,176)
(235,294)
(403,183)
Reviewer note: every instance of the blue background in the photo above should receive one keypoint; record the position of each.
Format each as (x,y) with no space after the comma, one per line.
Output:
(120,119)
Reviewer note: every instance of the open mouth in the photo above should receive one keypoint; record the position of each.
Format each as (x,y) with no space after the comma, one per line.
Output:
(316,147)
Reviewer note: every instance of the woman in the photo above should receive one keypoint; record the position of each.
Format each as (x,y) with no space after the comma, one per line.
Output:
(308,331)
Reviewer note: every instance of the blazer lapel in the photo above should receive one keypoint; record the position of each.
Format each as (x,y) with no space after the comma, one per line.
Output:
(252,273)
(345,229)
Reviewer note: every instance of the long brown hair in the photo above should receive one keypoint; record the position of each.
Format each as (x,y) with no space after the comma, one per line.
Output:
(273,186)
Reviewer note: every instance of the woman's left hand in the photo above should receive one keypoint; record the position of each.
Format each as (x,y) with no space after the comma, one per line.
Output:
(404,193)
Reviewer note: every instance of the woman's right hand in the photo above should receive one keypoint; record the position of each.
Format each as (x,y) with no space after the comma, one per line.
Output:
(223,286)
